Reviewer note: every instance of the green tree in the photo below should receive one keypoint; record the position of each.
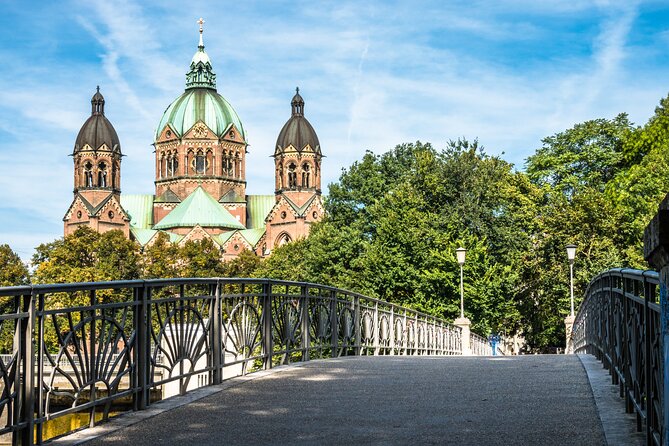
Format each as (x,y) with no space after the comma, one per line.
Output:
(637,190)
(588,155)
(160,260)
(12,270)
(244,265)
(200,258)
(87,256)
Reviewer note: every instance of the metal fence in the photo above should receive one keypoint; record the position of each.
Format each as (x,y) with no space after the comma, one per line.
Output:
(619,323)
(479,345)
(91,350)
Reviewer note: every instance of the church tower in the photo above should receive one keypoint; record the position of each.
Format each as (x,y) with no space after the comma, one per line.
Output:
(200,144)
(97,175)
(297,161)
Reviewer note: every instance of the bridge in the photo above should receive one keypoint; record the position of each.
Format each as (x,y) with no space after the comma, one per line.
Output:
(239,361)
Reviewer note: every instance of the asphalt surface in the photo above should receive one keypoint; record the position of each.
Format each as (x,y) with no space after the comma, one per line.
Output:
(521,400)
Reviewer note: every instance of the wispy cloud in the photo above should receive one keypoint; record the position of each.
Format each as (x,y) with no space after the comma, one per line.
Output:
(373,75)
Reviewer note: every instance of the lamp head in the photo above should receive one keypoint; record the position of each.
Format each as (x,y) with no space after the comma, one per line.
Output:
(571,252)
(460,253)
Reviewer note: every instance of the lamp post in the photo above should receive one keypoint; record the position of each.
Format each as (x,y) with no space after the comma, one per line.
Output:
(569,320)
(460,253)
(571,254)
(462,321)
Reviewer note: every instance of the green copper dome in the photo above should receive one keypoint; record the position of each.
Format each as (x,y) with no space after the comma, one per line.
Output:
(200,101)
(200,104)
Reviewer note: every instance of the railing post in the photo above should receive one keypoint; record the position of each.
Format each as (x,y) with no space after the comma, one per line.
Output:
(391,334)
(304,322)
(267,341)
(406,333)
(142,359)
(465,335)
(376,329)
(647,334)
(357,329)
(624,353)
(216,338)
(26,384)
(334,326)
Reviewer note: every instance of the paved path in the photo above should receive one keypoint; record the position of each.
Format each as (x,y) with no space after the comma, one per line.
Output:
(522,400)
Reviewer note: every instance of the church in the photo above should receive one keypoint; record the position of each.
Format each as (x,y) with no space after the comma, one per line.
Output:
(200,175)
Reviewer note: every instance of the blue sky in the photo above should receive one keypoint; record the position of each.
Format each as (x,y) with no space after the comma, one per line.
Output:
(373,74)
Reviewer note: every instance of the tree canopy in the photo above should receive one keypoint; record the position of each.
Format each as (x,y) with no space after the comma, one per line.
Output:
(394,220)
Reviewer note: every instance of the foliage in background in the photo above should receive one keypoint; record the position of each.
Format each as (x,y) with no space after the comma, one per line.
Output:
(393,222)
(12,270)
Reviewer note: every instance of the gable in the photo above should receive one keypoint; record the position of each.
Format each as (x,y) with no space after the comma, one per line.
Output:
(199,130)
(199,208)
(168,133)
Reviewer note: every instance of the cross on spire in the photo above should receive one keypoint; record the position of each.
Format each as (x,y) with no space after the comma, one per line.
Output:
(201,22)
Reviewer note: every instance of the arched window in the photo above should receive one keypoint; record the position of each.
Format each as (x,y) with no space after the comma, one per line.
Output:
(280,176)
(283,239)
(292,176)
(200,163)
(305,174)
(102,174)
(88,174)
(114,173)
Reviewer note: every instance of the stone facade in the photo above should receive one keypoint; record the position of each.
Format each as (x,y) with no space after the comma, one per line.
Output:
(200,175)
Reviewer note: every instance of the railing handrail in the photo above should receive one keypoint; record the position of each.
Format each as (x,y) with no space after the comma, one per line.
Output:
(618,322)
(139,283)
(153,333)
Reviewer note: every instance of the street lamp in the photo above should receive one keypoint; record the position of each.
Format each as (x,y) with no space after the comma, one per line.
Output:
(571,254)
(460,253)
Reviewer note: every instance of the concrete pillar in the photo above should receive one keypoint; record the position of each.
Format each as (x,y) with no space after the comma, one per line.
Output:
(464,324)
(656,252)
(568,325)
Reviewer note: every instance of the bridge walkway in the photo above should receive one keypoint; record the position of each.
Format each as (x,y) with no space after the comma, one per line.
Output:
(533,400)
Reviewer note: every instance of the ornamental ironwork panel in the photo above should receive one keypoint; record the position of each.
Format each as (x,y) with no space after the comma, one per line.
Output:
(81,353)
(619,323)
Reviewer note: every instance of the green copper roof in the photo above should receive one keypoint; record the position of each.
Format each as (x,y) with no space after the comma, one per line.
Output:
(200,101)
(253,236)
(201,74)
(200,104)
(257,208)
(174,238)
(139,208)
(143,236)
(222,238)
(300,210)
(199,208)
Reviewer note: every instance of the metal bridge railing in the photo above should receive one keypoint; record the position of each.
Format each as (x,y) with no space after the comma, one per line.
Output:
(619,323)
(479,345)
(95,349)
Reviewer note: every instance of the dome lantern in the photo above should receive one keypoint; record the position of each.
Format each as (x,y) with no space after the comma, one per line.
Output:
(297,131)
(97,130)
(201,74)
(97,103)
(297,103)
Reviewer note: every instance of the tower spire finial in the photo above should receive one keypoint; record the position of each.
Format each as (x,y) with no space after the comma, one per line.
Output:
(201,22)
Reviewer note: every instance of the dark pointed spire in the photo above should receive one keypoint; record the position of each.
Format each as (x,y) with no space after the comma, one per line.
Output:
(297,103)
(97,103)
